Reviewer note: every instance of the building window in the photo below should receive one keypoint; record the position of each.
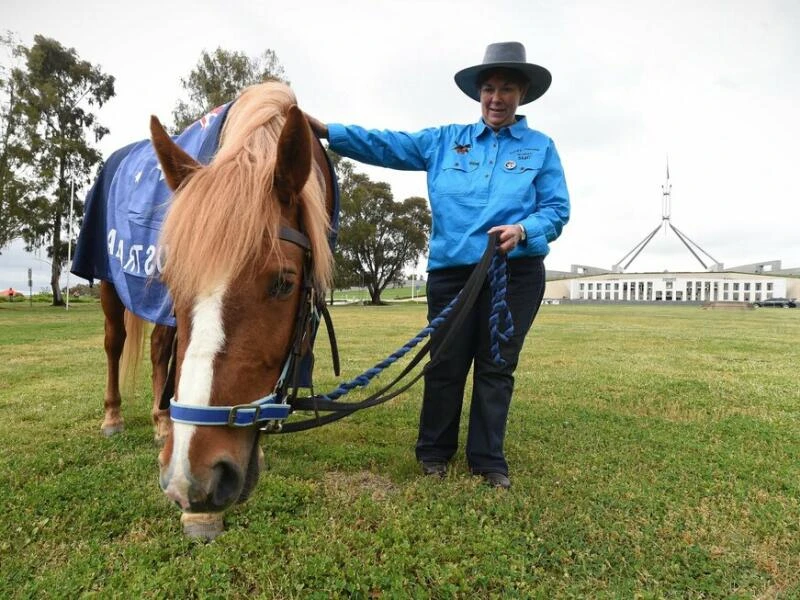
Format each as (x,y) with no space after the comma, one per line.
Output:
(758,286)
(735,296)
(736,287)
(591,286)
(580,286)
(724,295)
(769,286)
(747,296)
(725,286)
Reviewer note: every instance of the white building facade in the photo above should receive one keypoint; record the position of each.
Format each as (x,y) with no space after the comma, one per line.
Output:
(670,287)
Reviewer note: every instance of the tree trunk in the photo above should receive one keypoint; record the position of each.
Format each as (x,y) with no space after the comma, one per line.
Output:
(375,295)
(55,272)
(55,275)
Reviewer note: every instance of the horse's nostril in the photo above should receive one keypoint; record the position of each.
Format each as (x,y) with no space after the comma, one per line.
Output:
(228,484)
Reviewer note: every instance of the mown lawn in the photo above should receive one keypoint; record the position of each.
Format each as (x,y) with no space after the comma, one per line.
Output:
(655,453)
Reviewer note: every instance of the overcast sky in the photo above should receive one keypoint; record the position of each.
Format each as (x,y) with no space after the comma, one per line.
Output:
(712,85)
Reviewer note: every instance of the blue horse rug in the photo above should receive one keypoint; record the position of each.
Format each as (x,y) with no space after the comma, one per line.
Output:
(124,213)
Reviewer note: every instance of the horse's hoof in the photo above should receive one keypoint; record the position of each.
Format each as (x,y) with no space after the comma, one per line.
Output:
(204,526)
(110,430)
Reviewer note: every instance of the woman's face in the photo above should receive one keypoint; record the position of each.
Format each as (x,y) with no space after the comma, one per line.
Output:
(499,100)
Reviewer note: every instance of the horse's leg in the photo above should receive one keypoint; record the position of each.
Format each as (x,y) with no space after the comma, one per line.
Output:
(114,312)
(160,350)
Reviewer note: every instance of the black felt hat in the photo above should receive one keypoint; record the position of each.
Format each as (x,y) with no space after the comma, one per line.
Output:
(509,55)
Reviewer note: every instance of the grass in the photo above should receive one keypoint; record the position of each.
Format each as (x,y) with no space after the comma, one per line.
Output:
(655,453)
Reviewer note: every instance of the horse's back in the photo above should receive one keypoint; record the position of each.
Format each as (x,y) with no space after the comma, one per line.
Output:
(91,252)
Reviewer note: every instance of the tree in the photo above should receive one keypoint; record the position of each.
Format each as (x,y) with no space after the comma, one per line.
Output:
(378,237)
(345,273)
(13,185)
(53,87)
(218,78)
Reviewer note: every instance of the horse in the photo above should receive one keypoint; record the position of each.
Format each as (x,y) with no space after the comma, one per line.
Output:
(244,236)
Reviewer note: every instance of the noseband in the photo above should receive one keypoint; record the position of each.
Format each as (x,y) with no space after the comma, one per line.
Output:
(267,412)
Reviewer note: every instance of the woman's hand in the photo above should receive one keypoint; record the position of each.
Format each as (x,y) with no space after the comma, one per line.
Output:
(317,126)
(508,237)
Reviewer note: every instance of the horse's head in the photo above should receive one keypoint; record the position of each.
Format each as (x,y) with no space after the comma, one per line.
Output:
(237,282)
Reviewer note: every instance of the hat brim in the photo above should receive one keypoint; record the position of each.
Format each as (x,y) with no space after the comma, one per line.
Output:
(539,78)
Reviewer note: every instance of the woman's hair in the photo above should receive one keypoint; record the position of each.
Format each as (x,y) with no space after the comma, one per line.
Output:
(512,75)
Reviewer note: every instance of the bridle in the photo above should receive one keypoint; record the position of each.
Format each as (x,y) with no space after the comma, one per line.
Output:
(266,413)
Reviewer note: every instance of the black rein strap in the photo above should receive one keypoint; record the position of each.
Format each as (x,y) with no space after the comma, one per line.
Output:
(339,410)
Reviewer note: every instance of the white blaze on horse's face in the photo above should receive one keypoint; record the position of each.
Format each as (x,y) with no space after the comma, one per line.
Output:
(197,375)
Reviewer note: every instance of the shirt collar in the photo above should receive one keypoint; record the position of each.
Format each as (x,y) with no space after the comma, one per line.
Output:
(516,130)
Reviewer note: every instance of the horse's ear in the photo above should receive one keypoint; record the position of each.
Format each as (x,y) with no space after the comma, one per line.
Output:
(175,163)
(293,165)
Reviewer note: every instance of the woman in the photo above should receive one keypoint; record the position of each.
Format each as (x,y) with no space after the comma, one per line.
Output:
(494,176)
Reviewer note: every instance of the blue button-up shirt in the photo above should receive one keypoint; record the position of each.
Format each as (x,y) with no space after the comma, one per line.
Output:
(477,179)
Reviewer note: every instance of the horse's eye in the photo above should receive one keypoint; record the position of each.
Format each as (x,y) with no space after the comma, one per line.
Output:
(281,287)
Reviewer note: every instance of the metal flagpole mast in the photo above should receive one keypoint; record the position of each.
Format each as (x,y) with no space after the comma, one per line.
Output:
(666,200)
(69,233)
(666,222)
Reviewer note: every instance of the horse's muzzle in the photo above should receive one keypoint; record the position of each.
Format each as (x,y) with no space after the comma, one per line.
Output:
(222,488)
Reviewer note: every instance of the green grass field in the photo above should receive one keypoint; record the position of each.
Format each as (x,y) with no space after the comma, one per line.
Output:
(655,453)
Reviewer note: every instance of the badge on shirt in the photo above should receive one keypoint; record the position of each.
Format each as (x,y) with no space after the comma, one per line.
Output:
(510,164)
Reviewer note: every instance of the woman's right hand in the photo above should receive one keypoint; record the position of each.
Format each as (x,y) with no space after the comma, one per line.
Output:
(317,126)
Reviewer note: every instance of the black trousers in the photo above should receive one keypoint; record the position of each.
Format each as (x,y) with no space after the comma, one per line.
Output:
(492,385)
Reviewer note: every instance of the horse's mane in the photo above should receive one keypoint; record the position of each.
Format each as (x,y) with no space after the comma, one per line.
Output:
(224,220)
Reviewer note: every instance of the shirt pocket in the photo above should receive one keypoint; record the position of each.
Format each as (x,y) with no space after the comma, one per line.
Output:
(458,176)
(530,163)
(519,179)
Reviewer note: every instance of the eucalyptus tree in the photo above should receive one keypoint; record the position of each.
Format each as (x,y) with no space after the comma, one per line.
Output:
(13,184)
(378,237)
(218,77)
(57,92)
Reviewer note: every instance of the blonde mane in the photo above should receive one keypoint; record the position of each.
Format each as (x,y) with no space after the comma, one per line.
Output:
(224,220)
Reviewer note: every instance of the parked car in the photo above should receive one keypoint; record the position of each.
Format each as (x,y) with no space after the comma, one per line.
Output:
(776,303)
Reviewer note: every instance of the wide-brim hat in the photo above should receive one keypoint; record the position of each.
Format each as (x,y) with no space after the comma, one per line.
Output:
(510,55)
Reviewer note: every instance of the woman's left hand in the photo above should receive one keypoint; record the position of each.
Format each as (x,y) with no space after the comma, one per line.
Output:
(508,237)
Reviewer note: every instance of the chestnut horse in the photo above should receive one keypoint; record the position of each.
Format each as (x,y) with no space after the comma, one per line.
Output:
(236,283)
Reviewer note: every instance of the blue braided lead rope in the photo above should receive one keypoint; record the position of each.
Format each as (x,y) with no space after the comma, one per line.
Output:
(501,314)
(497,282)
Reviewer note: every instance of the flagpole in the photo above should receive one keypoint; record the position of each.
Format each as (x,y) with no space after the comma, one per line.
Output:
(69,233)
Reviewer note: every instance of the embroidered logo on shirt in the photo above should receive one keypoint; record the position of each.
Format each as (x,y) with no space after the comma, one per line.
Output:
(524,153)
(462,148)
